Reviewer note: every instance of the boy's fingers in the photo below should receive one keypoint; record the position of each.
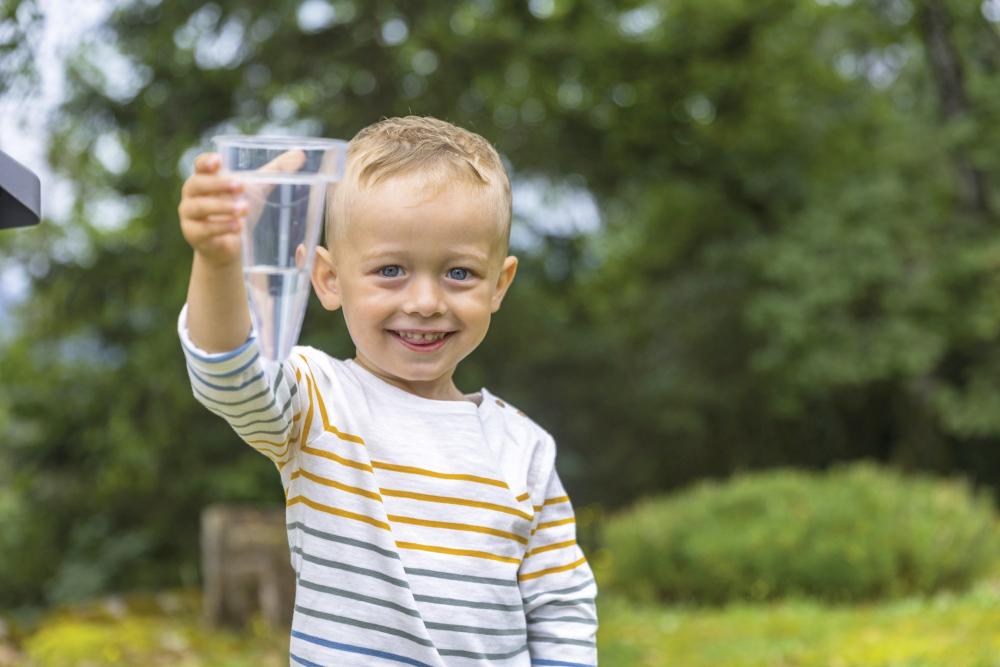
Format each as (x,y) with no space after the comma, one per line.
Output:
(201,208)
(288,161)
(201,185)
(207,163)
(217,226)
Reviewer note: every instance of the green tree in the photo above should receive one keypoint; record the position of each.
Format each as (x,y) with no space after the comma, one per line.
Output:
(796,263)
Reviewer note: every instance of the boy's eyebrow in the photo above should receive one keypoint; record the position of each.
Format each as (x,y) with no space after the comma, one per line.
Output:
(378,253)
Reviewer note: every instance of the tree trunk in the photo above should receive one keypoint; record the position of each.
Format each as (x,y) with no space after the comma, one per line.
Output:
(245,566)
(946,70)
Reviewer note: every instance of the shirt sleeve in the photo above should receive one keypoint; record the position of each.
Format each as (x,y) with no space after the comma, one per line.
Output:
(557,585)
(259,400)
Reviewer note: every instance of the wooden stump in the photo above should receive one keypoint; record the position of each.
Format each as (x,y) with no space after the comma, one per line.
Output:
(245,566)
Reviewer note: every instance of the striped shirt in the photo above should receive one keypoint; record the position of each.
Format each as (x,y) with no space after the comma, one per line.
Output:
(421,532)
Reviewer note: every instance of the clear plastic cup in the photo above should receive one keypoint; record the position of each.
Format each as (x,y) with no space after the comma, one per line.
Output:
(286,181)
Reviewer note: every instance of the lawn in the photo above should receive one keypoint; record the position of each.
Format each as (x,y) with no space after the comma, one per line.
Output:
(945,630)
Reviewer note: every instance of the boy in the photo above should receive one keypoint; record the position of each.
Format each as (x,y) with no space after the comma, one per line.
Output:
(426,526)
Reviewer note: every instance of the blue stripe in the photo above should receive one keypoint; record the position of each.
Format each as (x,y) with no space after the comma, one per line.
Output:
(221,388)
(559,663)
(303,661)
(356,649)
(239,370)
(222,356)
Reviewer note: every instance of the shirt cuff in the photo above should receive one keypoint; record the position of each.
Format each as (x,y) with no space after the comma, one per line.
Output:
(216,363)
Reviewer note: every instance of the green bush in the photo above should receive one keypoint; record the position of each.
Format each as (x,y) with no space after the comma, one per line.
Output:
(854,533)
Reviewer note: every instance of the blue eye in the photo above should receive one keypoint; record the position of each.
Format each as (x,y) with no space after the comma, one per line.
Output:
(391,271)
(458,274)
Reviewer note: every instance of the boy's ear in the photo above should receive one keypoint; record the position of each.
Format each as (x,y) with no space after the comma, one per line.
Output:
(324,279)
(507,272)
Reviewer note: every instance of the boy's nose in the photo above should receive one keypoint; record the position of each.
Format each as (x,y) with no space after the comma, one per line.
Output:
(425,298)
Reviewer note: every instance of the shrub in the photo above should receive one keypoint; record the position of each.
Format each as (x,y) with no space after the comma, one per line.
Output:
(856,532)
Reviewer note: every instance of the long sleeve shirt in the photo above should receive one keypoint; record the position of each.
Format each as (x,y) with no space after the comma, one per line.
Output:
(421,532)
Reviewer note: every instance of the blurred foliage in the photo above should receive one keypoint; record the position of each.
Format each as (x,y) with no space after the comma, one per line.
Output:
(20,24)
(855,533)
(797,262)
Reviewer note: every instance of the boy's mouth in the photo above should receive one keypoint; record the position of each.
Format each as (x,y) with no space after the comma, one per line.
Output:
(424,341)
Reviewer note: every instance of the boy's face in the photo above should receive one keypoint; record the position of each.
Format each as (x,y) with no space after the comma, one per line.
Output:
(418,274)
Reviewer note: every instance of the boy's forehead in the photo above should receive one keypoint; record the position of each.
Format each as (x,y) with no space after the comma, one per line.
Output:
(411,207)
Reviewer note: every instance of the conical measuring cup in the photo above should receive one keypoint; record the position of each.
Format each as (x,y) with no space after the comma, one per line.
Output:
(286,180)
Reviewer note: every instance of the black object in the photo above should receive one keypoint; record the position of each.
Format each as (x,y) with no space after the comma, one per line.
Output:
(20,194)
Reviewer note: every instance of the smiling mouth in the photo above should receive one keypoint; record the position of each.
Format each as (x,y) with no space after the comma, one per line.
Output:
(421,340)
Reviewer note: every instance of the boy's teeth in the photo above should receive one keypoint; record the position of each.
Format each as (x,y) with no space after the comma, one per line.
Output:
(417,337)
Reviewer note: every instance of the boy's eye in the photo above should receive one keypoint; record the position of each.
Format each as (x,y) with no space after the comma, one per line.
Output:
(391,271)
(458,274)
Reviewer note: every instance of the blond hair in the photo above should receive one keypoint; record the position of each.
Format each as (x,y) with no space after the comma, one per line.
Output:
(442,154)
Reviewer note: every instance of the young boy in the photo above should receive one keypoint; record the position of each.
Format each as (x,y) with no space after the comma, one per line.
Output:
(426,526)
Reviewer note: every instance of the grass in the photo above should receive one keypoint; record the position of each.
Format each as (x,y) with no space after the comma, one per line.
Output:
(941,631)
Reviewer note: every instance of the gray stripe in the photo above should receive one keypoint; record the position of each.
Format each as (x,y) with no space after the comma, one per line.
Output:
(564,619)
(496,632)
(559,640)
(571,603)
(228,416)
(230,403)
(350,568)
(253,433)
(571,589)
(343,540)
(364,624)
(357,596)
(454,602)
(274,400)
(459,577)
(281,414)
(469,603)
(482,656)
(220,387)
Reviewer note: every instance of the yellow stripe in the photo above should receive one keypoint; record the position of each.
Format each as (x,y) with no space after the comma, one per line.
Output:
(307,425)
(329,428)
(457,526)
(440,475)
(521,498)
(557,500)
(455,501)
(268,442)
(553,524)
(338,459)
(457,552)
(551,570)
(337,512)
(337,485)
(550,547)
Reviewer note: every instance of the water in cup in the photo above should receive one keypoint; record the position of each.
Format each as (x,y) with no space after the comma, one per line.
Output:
(286,181)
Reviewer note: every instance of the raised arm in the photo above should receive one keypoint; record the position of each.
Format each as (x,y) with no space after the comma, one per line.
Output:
(211,213)
(260,401)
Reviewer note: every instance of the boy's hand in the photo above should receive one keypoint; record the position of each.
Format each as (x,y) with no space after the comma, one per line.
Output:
(212,211)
